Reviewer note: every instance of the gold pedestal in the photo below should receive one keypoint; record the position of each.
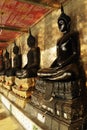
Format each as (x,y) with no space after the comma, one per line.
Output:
(21,93)
(9,80)
(19,101)
(25,83)
(2,78)
(7,86)
(4,91)
(1,84)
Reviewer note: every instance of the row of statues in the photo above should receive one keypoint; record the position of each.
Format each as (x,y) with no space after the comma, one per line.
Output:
(64,67)
(58,89)
(30,69)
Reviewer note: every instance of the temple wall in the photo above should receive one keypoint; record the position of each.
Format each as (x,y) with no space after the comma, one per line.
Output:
(46,32)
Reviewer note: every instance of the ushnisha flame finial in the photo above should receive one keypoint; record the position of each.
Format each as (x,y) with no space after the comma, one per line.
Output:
(62,9)
(30,31)
(14,43)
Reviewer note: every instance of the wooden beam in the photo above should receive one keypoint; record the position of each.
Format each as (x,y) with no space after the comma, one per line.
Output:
(3,46)
(16,29)
(1,40)
(46,3)
(36,2)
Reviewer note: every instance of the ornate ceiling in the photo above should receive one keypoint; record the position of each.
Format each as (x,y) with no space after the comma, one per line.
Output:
(16,16)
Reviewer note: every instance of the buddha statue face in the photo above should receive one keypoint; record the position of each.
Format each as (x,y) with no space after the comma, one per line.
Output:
(62,25)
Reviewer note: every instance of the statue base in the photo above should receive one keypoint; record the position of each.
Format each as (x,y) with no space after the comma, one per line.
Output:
(37,100)
(25,83)
(21,93)
(7,86)
(63,90)
(67,110)
(51,122)
(9,82)
(4,91)
(19,101)
(2,78)
(1,84)
(10,79)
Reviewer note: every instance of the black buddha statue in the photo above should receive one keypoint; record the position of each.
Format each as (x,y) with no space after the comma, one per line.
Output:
(17,61)
(66,65)
(33,60)
(1,64)
(7,62)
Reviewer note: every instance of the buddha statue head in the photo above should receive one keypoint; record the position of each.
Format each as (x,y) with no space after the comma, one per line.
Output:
(16,48)
(64,21)
(31,40)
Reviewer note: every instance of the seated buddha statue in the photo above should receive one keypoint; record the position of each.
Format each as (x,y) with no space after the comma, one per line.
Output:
(7,62)
(2,67)
(1,64)
(17,61)
(33,60)
(5,65)
(12,68)
(66,66)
